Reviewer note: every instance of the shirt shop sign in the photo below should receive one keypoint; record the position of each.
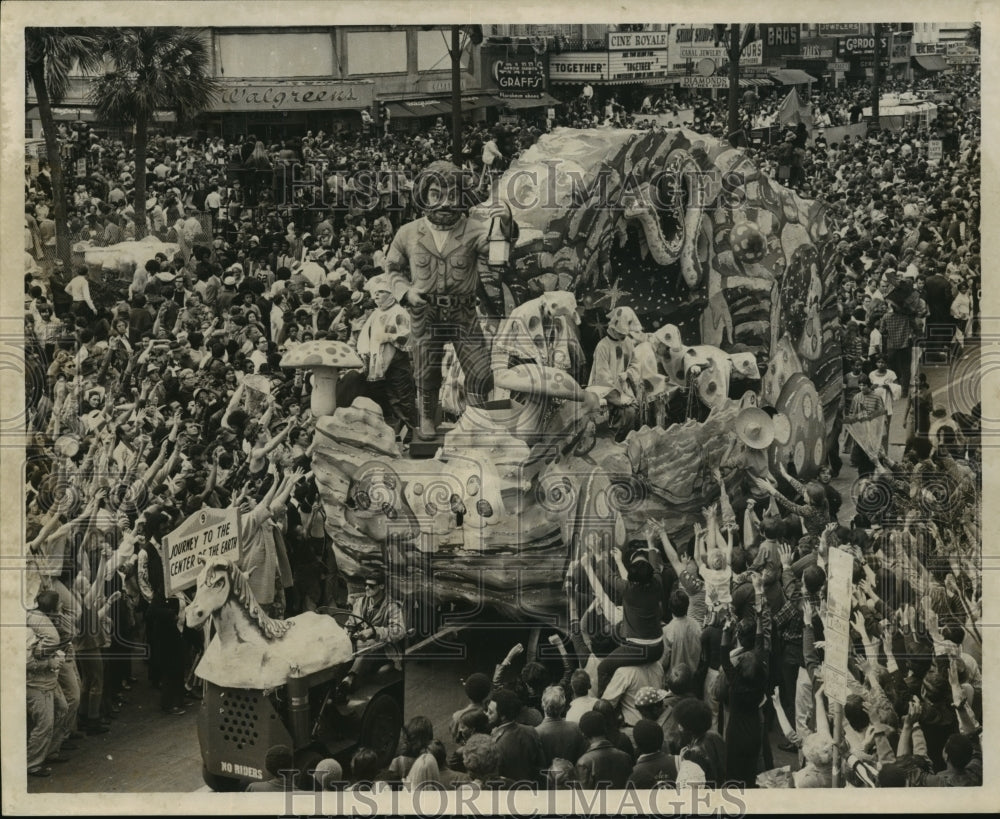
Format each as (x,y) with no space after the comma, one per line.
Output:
(310,96)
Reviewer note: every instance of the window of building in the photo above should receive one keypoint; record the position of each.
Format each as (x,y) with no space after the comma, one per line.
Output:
(376,52)
(276,55)
(432,51)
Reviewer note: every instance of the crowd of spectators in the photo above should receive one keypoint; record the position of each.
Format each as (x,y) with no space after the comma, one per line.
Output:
(155,395)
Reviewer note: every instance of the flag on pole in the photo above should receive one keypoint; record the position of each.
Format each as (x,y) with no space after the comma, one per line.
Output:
(792,111)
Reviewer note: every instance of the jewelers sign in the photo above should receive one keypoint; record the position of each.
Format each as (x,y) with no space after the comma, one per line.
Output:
(298,96)
(208,533)
(519,79)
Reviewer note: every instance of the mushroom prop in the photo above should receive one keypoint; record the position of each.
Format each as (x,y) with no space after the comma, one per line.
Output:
(799,402)
(538,384)
(325,359)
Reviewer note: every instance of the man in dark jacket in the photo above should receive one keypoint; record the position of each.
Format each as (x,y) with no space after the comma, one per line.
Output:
(654,764)
(522,757)
(602,766)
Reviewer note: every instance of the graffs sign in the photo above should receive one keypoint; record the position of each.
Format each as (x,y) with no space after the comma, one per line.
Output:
(523,79)
(317,96)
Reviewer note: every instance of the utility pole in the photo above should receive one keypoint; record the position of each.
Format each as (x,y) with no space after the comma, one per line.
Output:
(876,91)
(456,96)
(735,48)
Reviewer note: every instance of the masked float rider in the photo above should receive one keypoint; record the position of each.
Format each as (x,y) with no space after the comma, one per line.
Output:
(439,266)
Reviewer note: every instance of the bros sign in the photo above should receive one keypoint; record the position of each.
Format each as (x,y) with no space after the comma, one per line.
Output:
(779,41)
(208,533)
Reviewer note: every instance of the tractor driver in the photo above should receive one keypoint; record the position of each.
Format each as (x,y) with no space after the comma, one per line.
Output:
(383,626)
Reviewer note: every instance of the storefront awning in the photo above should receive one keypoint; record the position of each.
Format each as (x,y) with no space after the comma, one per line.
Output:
(418,108)
(482,101)
(437,107)
(931,62)
(546,101)
(63,114)
(791,76)
(751,82)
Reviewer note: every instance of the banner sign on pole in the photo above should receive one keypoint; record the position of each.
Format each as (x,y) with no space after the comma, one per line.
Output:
(208,533)
(837,628)
(934,151)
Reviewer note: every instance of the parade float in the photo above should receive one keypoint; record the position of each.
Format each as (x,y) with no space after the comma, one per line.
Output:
(723,266)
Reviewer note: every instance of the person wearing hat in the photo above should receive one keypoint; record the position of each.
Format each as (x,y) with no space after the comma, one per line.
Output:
(378,621)
(615,367)
(383,344)
(755,433)
(439,264)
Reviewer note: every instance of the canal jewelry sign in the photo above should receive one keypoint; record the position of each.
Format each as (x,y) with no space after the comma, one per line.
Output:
(298,96)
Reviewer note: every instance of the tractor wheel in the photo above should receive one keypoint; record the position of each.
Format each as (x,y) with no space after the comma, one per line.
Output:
(380,727)
(306,761)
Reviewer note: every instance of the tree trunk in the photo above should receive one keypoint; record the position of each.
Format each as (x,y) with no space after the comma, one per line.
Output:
(59,213)
(141,137)
(456,96)
(875,124)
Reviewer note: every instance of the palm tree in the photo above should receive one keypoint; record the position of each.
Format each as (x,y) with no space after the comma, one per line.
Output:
(974,36)
(152,69)
(50,55)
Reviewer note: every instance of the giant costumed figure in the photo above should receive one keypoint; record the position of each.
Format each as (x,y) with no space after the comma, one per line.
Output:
(439,265)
